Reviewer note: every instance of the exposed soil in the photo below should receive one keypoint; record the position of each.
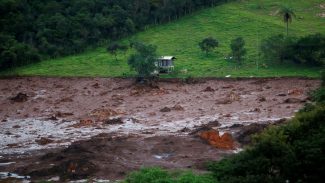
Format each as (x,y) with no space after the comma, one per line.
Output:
(115,126)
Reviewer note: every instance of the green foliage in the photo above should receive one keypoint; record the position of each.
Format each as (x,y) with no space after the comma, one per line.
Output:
(277,48)
(238,49)
(308,50)
(143,61)
(293,152)
(180,39)
(157,175)
(208,44)
(54,28)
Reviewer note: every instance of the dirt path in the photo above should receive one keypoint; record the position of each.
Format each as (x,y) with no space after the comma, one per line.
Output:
(128,125)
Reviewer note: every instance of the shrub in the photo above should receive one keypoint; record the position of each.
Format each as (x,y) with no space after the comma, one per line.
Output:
(278,47)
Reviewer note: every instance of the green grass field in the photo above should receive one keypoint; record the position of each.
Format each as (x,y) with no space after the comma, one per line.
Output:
(251,19)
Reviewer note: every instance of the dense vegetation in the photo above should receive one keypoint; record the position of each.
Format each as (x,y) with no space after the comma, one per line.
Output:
(34,30)
(254,20)
(308,50)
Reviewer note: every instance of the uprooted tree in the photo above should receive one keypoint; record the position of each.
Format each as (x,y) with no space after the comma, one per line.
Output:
(143,60)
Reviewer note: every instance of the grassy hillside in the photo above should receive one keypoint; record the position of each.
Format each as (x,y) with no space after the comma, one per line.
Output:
(251,19)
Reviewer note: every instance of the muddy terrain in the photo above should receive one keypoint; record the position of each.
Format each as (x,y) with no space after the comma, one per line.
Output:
(74,128)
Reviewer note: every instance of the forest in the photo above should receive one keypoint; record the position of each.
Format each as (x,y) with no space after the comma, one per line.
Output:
(32,30)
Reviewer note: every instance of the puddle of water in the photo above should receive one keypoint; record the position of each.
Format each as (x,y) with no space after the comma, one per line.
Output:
(13,176)
(6,164)
(162,156)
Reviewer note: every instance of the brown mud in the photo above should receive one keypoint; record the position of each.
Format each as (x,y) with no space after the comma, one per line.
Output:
(76,128)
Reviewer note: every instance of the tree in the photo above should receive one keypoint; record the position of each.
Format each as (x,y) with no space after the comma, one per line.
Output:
(114,47)
(143,61)
(287,14)
(208,44)
(238,49)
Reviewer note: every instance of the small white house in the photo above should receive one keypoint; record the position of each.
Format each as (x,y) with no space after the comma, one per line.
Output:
(165,64)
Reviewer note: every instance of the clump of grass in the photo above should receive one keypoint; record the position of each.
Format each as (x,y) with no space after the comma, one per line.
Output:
(158,175)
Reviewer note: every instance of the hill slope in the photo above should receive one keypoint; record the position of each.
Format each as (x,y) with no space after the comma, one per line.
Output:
(253,20)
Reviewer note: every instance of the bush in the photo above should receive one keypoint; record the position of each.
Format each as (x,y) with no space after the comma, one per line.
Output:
(310,50)
(278,48)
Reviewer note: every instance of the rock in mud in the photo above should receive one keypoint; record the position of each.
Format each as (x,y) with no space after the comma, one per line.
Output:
(63,114)
(208,89)
(96,86)
(44,141)
(261,99)
(83,123)
(20,97)
(223,101)
(114,121)
(178,108)
(223,142)
(281,95)
(292,101)
(295,91)
(103,114)
(165,109)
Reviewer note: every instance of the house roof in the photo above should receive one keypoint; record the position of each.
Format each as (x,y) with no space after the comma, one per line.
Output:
(167,57)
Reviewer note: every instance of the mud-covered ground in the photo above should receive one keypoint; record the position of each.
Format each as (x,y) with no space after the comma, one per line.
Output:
(115,126)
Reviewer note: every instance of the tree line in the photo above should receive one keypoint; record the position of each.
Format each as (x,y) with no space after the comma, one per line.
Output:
(35,30)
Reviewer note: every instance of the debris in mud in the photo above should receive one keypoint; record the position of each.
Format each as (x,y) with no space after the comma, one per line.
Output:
(223,101)
(208,89)
(44,141)
(165,109)
(66,99)
(206,127)
(223,142)
(83,123)
(228,87)
(281,95)
(13,145)
(178,108)
(295,92)
(292,100)
(96,86)
(20,97)
(114,121)
(53,118)
(261,99)
(103,114)
(16,126)
(63,114)
(255,110)
(233,96)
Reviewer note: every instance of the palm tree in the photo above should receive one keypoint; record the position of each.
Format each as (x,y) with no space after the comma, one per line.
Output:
(288,14)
